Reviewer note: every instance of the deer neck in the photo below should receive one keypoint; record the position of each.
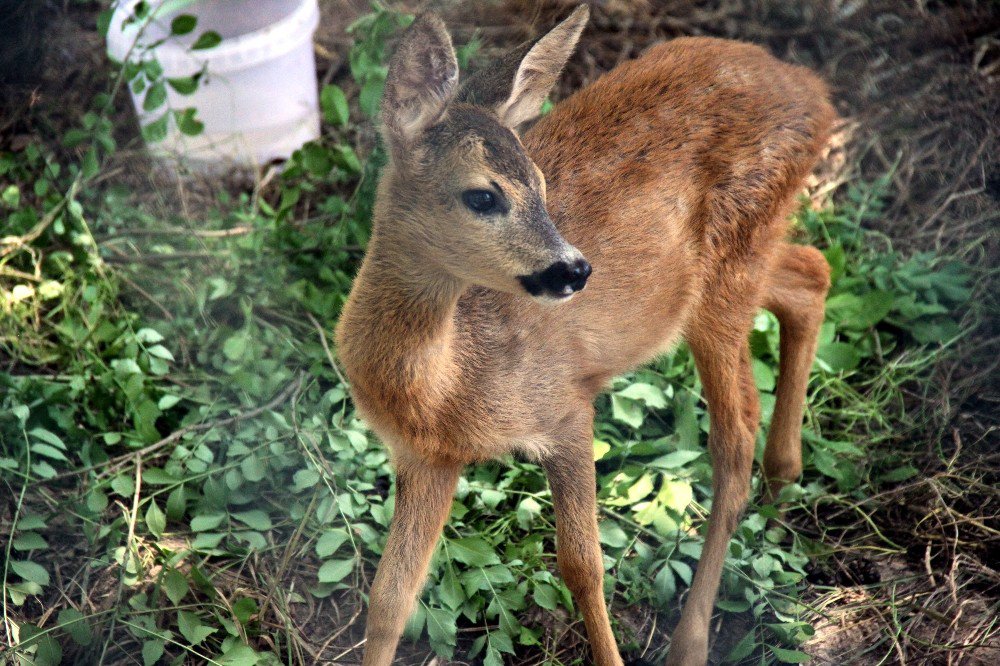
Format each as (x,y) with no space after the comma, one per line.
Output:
(398,330)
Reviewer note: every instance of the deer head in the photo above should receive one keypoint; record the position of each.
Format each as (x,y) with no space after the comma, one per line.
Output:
(460,194)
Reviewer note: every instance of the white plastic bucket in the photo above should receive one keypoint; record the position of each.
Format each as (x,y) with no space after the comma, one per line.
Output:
(257,98)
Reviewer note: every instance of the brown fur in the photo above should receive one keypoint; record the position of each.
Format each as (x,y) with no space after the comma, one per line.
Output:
(673,175)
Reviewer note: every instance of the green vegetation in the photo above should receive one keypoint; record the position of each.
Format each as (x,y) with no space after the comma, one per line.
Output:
(185,468)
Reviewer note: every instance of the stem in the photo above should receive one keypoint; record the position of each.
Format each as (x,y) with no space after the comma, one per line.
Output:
(13,529)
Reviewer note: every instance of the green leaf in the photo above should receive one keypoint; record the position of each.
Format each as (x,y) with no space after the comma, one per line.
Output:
(899,474)
(683,570)
(184,85)
(640,489)
(31,522)
(239,654)
(159,351)
(207,40)
(826,463)
(415,624)
(450,590)
(167,401)
(75,623)
(345,157)
(152,651)
(441,626)
(235,346)
(501,642)
(334,104)
(43,470)
(601,449)
(253,468)
(21,412)
(11,196)
(255,519)
(647,393)
(859,312)
(156,96)
(665,585)
(48,652)
(743,648)
(330,542)
(183,24)
(676,494)
(627,411)
(156,521)
(148,336)
(546,596)
(612,534)
(305,478)
(207,540)
(493,657)
(47,437)
(244,608)
(837,259)
(208,521)
(789,656)
(30,571)
(473,551)
(316,159)
(371,96)
(175,584)
(838,356)
(176,503)
(156,131)
(764,565)
(29,541)
(190,626)
(335,571)
(104,21)
(733,605)
(527,510)
(187,123)
(48,451)
(763,375)
(675,460)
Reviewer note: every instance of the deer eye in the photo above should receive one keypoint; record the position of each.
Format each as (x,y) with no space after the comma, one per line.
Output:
(480,201)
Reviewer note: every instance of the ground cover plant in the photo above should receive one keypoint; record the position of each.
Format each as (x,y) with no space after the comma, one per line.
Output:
(184,479)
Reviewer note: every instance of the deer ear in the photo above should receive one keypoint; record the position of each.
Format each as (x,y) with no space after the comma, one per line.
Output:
(422,79)
(516,86)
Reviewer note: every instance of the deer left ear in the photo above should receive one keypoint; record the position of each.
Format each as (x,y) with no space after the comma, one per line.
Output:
(422,79)
(516,86)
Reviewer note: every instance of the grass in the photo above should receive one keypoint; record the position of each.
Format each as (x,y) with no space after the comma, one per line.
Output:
(188,480)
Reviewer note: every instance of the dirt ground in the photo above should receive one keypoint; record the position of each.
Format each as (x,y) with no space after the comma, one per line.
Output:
(917,84)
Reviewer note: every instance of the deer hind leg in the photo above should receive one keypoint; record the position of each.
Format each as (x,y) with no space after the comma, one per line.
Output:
(570,470)
(722,356)
(795,293)
(424,493)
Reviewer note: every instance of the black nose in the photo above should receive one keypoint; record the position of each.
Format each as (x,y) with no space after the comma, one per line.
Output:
(560,279)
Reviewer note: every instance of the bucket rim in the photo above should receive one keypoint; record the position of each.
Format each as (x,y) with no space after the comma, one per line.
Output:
(231,54)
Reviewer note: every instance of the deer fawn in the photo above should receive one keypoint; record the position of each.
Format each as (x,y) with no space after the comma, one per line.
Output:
(469,335)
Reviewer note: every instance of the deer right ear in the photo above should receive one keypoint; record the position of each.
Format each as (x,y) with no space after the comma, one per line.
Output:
(515,86)
(422,79)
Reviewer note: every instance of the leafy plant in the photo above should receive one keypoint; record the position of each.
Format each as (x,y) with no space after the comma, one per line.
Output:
(144,75)
(168,432)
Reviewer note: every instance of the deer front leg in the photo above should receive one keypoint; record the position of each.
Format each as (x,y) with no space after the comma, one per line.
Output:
(571,474)
(721,367)
(424,493)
